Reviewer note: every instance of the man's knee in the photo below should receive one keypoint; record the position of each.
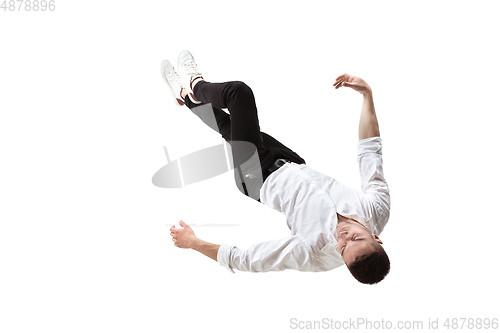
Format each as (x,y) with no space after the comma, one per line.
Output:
(240,88)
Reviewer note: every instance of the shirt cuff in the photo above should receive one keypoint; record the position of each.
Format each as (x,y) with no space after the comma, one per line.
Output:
(223,256)
(370,145)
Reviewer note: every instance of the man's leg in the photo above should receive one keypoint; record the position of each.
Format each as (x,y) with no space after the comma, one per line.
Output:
(240,128)
(245,137)
(238,98)
(223,95)
(244,121)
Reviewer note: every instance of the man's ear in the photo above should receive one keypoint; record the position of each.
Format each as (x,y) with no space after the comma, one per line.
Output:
(377,239)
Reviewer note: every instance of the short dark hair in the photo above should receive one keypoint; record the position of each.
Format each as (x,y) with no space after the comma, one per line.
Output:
(371,268)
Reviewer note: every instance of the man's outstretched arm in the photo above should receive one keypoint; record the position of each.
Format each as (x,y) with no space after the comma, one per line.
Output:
(185,238)
(368,124)
(275,255)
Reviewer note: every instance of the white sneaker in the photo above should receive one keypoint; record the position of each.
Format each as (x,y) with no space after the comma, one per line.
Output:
(188,70)
(173,80)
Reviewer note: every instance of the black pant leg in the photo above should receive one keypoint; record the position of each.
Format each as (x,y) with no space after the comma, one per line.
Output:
(238,98)
(241,124)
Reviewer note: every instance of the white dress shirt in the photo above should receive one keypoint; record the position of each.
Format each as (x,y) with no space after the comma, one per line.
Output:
(311,200)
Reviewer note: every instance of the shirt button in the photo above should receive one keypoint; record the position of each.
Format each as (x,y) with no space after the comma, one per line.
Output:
(323,195)
(312,182)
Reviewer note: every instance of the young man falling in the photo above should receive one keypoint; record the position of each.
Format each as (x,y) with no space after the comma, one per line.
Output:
(330,224)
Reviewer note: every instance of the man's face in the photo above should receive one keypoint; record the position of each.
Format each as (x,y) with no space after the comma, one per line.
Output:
(355,240)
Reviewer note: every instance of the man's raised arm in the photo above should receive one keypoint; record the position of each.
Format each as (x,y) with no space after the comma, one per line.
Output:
(368,124)
(373,182)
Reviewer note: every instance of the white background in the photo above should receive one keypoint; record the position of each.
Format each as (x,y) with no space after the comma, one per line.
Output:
(84,245)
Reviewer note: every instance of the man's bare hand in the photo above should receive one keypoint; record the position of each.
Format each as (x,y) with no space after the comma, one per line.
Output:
(354,82)
(183,237)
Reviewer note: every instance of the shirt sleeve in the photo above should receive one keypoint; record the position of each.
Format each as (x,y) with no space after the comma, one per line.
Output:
(373,183)
(276,255)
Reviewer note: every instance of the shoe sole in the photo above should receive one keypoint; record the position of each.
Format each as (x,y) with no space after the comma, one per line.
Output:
(189,90)
(178,102)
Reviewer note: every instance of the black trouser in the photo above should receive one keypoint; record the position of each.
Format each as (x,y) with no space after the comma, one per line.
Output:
(242,122)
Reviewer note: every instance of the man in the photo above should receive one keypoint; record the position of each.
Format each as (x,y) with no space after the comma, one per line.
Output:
(330,224)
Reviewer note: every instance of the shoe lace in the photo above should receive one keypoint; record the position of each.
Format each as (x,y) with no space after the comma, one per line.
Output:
(191,68)
(173,76)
